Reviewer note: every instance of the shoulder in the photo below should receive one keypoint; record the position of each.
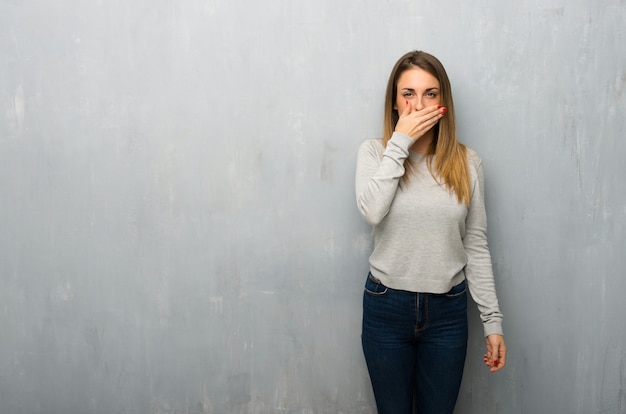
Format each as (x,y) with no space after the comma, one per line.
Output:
(473,158)
(375,143)
(372,146)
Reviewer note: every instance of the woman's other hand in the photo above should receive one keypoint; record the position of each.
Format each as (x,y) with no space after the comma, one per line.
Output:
(495,358)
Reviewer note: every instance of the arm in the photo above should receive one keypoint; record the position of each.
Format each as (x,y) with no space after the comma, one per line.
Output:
(478,270)
(479,275)
(377,179)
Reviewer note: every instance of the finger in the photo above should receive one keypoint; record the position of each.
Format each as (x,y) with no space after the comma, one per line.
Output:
(430,115)
(499,354)
(493,345)
(502,355)
(429,121)
(418,123)
(433,110)
(487,360)
(407,109)
(496,352)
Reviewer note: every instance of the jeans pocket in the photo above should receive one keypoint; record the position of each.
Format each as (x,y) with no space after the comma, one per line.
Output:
(458,290)
(374,286)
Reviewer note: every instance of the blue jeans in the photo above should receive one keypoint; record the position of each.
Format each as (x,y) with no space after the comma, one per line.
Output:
(414,346)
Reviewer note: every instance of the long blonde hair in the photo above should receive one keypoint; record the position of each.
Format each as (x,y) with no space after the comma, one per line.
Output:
(449,154)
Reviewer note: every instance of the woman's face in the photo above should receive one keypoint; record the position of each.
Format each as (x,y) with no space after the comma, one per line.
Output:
(417,87)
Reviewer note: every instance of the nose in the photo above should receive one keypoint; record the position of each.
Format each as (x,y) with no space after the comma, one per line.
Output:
(419,105)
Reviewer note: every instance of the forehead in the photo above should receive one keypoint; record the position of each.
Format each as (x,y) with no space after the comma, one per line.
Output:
(417,78)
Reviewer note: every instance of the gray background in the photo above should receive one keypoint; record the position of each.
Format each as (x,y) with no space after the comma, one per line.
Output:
(178,231)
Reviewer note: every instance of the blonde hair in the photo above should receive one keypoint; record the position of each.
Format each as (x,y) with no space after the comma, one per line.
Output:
(449,154)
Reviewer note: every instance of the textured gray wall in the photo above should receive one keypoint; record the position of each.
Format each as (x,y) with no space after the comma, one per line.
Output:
(178,231)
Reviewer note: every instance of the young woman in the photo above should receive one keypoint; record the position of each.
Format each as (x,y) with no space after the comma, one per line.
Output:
(422,191)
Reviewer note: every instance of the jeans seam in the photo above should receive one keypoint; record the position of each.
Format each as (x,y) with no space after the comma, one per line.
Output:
(424,326)
(417,315)
(378,283)
(456,295)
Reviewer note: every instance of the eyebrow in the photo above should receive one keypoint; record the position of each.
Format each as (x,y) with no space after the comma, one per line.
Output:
(413,90)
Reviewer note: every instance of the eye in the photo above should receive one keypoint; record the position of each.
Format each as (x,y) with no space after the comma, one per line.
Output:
(431,94)
(407,94)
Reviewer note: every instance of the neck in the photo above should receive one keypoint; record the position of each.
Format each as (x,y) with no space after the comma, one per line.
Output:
(422,145)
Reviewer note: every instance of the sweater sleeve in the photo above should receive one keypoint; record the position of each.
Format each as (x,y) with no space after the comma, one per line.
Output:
(377,179)
(479,271)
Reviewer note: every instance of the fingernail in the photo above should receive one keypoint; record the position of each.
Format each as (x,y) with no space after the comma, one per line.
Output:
(495,362)
(438,106)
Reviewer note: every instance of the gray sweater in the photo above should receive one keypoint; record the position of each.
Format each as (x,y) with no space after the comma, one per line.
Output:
(424,239)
